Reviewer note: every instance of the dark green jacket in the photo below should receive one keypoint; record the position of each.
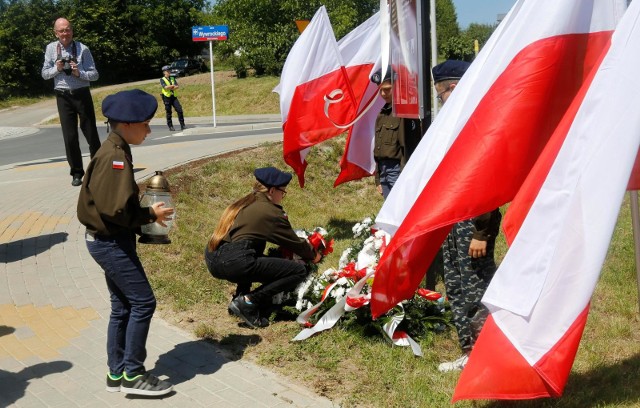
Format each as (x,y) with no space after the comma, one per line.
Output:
(109,202)
(263,221)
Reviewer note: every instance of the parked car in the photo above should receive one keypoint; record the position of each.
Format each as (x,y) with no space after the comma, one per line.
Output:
(186,67)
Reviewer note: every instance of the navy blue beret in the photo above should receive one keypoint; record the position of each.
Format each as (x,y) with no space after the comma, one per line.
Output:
(272,177)
(376,77)
(450,69)
(132,106)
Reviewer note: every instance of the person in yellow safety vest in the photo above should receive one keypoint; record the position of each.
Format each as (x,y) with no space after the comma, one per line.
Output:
(169,87)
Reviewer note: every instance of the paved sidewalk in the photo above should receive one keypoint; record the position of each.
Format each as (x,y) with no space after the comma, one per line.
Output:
(54,304)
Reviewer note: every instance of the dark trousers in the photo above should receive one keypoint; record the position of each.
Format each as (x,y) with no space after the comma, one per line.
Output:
(71,105)
(466,280)
(389,172)
(237,262)
(169,102)
(132,302)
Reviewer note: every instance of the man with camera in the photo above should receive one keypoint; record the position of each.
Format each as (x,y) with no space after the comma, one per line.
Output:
(71,66)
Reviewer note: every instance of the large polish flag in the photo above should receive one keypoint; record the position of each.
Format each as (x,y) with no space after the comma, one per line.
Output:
(483,144)
(539,297)
(360,50)
(315,92)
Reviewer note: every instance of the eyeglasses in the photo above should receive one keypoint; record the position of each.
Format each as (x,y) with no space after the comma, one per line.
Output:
(64,30)
(439,96)
(284,192)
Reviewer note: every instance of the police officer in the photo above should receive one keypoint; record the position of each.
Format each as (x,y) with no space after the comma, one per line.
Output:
(395,138)
(109,207)
(468,250)
(170,87)
(235,250)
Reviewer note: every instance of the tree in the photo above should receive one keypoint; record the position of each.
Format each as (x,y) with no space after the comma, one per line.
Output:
(446,25)
(129,39)
(262,32)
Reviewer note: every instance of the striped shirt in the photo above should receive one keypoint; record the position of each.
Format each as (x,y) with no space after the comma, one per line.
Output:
(62,81)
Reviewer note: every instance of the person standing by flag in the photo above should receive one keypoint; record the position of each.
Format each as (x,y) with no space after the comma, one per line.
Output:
(170,87)
(468,250)
(395,138)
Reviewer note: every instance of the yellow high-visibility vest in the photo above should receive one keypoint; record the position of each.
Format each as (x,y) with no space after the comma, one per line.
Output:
(168,92)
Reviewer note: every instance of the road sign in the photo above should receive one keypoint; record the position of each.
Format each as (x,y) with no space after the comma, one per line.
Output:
(210,33)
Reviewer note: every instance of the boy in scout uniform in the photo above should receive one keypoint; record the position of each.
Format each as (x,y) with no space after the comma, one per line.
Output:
(109,207)
(395,138)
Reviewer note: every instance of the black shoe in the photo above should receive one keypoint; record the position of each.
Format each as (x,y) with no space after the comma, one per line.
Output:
(145,384)
(171,129)
(77,181)
(247,312)
(114,382)
(183,127)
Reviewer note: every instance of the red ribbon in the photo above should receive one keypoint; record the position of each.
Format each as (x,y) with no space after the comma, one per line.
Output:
(428,294)
(320,244)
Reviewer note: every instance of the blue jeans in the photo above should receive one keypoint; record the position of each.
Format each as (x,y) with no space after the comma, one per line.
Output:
(389,173)
(132,301)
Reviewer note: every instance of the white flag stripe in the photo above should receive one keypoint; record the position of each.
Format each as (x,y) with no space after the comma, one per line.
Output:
(315,41)
(563,241)
(512,35)
(362,46)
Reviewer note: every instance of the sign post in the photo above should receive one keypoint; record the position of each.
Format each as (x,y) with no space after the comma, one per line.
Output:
(210,34)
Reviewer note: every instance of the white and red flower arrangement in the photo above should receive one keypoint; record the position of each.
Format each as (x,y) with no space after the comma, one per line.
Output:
(343,294)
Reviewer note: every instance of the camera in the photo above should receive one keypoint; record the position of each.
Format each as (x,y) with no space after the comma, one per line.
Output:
(67,66)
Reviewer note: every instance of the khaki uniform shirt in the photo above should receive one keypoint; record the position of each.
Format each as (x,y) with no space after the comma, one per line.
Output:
(109,202)
(263,221)
(395,138)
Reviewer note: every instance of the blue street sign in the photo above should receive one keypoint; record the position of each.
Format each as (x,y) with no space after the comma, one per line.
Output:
(210,33)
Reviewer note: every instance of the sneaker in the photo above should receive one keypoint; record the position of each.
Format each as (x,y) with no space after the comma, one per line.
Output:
(456,365)
(113,382)
(145,384)
(247,312)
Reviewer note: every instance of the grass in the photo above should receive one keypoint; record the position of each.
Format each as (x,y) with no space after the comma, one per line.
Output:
(233,96)
(350,368)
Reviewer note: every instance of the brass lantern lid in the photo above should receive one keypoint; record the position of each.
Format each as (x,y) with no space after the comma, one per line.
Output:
(158,183)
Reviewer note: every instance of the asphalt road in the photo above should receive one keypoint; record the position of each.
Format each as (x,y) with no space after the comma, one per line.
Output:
(28,144)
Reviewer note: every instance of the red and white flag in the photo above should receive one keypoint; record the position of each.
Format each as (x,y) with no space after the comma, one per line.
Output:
(539,297)
(315,92)
(483,144)
(360,50)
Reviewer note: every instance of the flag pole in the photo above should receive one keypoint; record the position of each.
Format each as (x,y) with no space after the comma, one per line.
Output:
(434,54)
(635,221)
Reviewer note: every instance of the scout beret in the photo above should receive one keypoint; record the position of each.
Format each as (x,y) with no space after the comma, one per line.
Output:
(450,69)
(376,77)
(166,68)
(272,177)
(132,106)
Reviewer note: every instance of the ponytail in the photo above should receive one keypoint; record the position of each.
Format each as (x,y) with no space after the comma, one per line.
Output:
(230,213)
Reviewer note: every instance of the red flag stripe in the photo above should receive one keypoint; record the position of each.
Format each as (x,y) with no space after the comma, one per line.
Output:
(510,376)
(492,155)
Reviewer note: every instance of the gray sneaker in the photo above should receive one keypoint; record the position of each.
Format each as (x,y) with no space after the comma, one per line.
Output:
(145,384)
(247,312)
(455,365)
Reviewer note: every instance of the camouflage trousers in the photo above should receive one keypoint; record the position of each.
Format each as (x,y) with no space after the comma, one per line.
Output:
(466,279)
